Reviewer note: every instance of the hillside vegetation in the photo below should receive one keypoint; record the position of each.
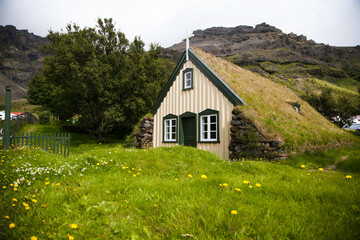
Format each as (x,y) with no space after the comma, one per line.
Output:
(270,107)
(112,192)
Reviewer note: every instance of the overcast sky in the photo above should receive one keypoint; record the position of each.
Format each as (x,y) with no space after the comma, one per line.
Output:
(333,22)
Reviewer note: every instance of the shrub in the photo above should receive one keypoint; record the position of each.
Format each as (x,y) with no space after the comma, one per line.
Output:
(44,117)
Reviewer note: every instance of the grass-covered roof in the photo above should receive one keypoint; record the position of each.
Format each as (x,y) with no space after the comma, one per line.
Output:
(270,107)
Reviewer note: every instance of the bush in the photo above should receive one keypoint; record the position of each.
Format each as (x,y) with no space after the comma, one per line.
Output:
(44,117)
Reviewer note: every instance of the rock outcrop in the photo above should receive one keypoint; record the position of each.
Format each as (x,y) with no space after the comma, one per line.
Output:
(249,47)
(20,59)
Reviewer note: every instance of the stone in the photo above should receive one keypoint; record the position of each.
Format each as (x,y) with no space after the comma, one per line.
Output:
(248,141)
(235,123)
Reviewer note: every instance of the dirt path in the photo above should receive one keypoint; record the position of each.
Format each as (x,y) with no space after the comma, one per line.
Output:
(333,167)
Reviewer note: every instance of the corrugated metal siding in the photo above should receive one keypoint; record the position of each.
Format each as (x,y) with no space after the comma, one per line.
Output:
(204,95)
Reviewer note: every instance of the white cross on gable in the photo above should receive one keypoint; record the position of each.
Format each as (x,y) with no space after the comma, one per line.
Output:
(188,43)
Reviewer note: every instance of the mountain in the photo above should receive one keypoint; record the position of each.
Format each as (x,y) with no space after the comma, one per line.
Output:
(20,59)
(301,64)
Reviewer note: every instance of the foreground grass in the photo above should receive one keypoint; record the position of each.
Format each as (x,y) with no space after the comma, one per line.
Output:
(118,193)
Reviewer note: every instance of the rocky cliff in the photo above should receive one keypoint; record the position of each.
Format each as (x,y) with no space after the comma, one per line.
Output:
(287,58)
(20,59)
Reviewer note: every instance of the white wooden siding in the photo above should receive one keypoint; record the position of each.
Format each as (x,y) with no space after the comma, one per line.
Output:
(204,95)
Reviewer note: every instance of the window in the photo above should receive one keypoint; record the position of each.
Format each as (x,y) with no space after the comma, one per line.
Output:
(209,126)
(170,128)
(188,79)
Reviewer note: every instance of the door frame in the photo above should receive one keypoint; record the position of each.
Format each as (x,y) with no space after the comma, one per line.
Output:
(181,130)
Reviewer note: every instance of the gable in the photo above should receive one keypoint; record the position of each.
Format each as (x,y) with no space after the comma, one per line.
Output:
(208,72)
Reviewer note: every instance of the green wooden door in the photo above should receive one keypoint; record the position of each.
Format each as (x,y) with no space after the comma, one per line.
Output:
(189,131)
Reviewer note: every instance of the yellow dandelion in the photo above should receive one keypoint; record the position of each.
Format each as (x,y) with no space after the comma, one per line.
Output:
(176,179)
(348,177)
(138,173)
(46,179)
(250,186)
(15,189)
(98,164)
(4,187)
(134,175)
(74,226)
(11,185)
(246,182)
(47,183)
(190,176)
(70,237)
(225,185)
(25,204)
(308,174)
(302,166)
(27,208)
(58,184)
(237,189)
(12,225)
(43,221)
(44,205)
(258,184)
(321,169)
(220,185)
(204,176)
(125,167)
(7,217)
(34,200)
(33,238)
(234,212)
(14,200)
(13,205)
(33,196)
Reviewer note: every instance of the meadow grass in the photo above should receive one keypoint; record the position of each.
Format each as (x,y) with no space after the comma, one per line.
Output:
(112,192)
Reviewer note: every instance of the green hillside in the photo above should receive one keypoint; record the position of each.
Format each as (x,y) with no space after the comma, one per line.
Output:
(112,192)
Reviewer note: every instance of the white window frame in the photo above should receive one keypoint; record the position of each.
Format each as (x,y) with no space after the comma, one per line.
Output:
(208,130)
(188,79)
(169,134)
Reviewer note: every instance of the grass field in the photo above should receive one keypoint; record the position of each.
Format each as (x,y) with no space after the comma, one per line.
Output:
(112,192)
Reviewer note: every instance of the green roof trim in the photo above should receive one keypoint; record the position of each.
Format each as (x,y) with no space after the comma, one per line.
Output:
(208,72)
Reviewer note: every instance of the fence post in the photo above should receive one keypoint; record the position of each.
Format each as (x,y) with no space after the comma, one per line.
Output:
(6,139)
(68,145)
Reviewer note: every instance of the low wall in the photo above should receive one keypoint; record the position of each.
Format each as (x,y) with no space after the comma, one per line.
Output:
(144,139)
(247,141)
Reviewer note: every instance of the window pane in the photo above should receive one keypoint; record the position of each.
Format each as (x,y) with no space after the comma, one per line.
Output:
(204,119)
(213,135)
(205,127)
(213,119)
(212,127)
(204,135)
(173,136)
(174,122)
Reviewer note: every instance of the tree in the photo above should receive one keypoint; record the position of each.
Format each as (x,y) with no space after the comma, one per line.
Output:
(97,74)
